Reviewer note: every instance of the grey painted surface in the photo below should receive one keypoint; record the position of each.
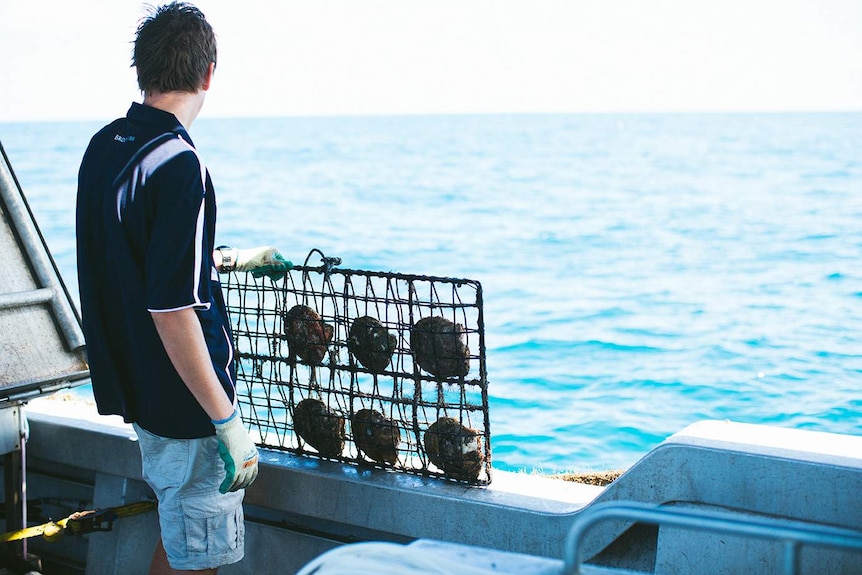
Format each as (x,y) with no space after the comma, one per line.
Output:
(41,341)
(301,506)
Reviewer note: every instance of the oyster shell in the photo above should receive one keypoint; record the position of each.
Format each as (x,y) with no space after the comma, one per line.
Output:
(319,426)
(371,344)
(307,335)
(454,448)
(376,435)
(438,347)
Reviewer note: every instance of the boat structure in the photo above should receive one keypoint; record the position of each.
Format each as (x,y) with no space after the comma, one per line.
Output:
(367,394)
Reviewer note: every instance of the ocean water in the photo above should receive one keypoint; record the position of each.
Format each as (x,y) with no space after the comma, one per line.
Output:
(640,272)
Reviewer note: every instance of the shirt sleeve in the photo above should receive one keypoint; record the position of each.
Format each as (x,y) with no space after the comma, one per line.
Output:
(177,258)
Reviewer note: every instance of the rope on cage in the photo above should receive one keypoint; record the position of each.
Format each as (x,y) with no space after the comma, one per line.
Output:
(328,263)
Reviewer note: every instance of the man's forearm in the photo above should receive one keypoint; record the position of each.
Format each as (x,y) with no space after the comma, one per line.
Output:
(181,334)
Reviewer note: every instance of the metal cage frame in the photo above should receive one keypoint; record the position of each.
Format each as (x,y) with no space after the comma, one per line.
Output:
(274,377)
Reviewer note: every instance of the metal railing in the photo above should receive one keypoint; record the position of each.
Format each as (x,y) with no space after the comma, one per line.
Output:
(792,535)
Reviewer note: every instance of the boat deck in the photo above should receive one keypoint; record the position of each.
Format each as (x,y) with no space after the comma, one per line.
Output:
(301,507)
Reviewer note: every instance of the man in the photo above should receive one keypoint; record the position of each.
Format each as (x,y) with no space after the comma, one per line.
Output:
(158,336)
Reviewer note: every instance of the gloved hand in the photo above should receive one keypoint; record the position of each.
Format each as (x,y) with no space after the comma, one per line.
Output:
(238,452)
(260,261)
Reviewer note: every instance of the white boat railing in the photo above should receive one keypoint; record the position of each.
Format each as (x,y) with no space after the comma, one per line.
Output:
(793,535)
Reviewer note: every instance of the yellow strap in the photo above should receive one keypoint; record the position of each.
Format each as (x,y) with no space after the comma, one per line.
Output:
(53,530)
(134,508)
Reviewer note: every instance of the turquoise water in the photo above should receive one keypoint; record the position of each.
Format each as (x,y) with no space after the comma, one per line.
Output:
(640,272)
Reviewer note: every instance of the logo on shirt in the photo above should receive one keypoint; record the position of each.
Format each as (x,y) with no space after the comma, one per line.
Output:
(123,139)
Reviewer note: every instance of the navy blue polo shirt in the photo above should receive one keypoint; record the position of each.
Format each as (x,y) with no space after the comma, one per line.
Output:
(146,216)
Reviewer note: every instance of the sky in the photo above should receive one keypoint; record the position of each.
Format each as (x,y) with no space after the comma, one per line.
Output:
(62,60)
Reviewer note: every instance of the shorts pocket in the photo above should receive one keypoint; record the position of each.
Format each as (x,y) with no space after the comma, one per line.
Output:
(165,460)
(214,525)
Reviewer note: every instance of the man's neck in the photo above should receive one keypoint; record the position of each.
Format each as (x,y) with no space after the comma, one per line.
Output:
(184,105)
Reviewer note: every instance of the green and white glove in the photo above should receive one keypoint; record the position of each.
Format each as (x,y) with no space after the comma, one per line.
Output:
(238,452)
(260,261)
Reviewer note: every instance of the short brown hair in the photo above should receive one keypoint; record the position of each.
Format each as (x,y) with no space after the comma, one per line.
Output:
(174,46)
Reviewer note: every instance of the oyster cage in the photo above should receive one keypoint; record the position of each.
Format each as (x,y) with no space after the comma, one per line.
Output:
(364,367)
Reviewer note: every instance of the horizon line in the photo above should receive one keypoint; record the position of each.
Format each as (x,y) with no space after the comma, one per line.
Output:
(345,115)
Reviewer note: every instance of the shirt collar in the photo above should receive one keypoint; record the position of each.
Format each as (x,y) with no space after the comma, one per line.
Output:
(158,119)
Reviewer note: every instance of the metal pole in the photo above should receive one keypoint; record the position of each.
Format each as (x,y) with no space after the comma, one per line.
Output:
(791,557)
(23,434)
(11,483)
(26,298)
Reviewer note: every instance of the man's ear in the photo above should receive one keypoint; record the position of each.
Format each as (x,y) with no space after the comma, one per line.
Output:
(209,77)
